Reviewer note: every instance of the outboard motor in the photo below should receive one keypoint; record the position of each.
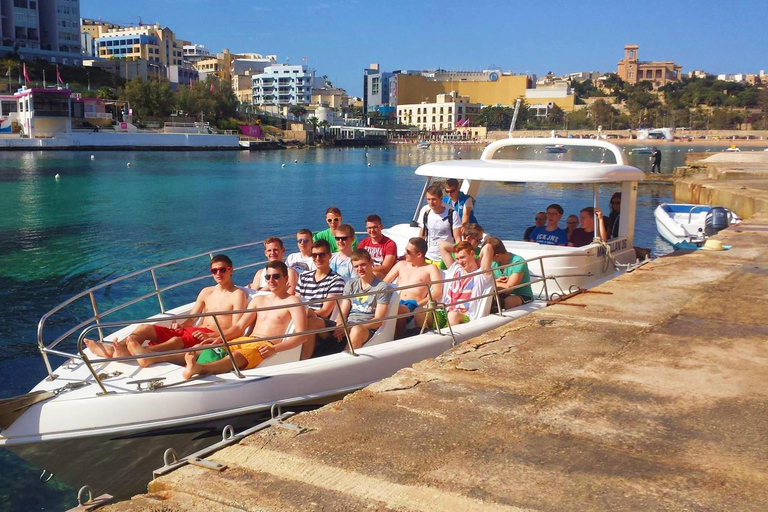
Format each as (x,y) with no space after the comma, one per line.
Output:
(716,220)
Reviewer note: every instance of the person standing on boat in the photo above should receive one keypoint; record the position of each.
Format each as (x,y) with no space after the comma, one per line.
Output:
(274,251)
(438,223)
(464,204)
(341,261)
(539,220)
(363,314)
(571,223)
(224,296)
(585,235)
(382,249)
(322,283)
(301,261)
(268,324)
(415,270)
(334,219)
(614,218)
(656,160)
(551,234)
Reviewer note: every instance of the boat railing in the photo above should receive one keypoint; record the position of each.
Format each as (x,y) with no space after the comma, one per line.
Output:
(431,308)
(698,207)
(157,291)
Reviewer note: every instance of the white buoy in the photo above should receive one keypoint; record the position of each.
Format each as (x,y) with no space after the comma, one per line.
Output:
(57,177)
(283,165)
(93,157)
(296,161)
(369,164)
(128,164)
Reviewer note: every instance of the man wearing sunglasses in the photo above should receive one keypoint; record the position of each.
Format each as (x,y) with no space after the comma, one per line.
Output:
(614,217)
(301,261)
(334,219)
(341,261)
(248,352)
(464,204)
(274,251)
(224,296)
(320,284)
(414,270)
(539,220)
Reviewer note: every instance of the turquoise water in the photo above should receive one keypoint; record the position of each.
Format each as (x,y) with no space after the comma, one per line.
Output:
(103,219)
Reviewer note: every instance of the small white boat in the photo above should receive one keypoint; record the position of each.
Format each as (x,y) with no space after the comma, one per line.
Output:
(87,403)
(556,148)
(692,223)
(423,145)
(645,150)
(733,149)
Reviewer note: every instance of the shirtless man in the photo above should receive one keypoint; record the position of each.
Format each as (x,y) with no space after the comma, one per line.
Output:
(274,251)
(414,270)
(225,296)
(268,323)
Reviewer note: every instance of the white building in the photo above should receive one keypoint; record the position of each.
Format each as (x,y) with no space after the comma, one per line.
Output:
(195,52)
(283,84)
(448,113)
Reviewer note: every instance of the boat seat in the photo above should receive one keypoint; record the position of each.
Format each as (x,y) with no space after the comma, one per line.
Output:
(386,332)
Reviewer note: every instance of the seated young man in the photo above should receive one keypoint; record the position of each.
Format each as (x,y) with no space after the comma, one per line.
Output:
(469,285)
(551,234)
(321,283)
(224,296)
(540,219)
(510,276)
(334,219)
(464,204)
(341,261)
(585,235)
(301,261)
(363,314)
(269,323)
(274,251)
(414,270)
(382,249)
(472,233)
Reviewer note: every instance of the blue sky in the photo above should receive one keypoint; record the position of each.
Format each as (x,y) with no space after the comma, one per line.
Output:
(340,38)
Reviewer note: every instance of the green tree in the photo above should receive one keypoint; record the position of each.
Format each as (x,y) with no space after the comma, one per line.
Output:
(556,115)
(495,118)
(298,111)
(149,98)
(106,93)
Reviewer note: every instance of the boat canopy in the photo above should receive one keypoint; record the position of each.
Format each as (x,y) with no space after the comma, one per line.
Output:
(531,171)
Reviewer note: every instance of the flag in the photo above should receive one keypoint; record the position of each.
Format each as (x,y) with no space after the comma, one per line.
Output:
(304,59)
(58,76)
(8,74)
(26,76)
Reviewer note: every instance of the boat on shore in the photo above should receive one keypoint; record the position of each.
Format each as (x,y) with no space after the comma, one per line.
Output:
(691,223)
(86,402)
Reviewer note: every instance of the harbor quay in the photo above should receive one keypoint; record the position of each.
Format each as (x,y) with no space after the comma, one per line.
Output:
(645,393)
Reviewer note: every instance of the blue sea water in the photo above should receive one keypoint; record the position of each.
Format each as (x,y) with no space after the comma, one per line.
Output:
(103,219)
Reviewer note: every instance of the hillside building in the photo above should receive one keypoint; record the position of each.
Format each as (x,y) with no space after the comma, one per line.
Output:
(283,85)
(43,29)
(659,73)
(449,112)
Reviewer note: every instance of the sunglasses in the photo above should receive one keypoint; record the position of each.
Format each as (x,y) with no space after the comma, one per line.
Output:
(331,221)
(341,238)
(271,277)
(219,270)
(450,191)
(615,202)
(572,222)
(554,213)
(317,255)
(303,240)
(409,252)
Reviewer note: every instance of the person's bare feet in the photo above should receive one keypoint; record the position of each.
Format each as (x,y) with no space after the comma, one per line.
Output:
(119,349)
(192,368)
(98,348)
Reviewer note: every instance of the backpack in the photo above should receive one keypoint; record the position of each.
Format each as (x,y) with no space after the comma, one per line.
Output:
(426,215)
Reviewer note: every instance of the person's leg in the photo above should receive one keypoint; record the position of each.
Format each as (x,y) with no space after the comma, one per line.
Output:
(512,301)
(118,348)
(308,347)
(223,365)
(401,322)
(358,335)
(456,317)
(175,343)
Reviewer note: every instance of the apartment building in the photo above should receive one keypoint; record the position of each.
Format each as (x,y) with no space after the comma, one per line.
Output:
(283,84)
(153,43)
(44,29)
(449,112)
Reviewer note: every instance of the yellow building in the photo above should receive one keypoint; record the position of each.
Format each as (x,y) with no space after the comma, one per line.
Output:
(497,89)
(660,73)
(153,43)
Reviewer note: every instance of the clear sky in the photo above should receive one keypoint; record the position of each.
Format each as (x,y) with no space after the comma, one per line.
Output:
(340,38)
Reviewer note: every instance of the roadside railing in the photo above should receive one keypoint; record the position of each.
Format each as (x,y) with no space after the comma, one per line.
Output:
(95,323)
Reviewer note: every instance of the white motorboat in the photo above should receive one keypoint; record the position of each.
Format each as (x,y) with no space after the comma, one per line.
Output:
(88,402)
(645,150)
(678,223)
(556,148)
(423,145)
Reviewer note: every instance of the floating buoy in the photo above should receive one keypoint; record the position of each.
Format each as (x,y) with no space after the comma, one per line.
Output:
(282,165)
(369,164)
(57,177)
(93,157)
(128,164)
(296,161)
(602,161)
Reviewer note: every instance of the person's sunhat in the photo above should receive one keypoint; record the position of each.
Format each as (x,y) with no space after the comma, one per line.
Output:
(713,245)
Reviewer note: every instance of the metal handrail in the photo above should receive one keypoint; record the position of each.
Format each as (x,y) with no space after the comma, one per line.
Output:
(690,213)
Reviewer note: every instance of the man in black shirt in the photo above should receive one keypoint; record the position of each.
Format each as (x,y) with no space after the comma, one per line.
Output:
(539,220)
(656,159)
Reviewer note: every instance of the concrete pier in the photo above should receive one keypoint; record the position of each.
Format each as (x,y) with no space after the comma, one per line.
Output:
(648,394)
